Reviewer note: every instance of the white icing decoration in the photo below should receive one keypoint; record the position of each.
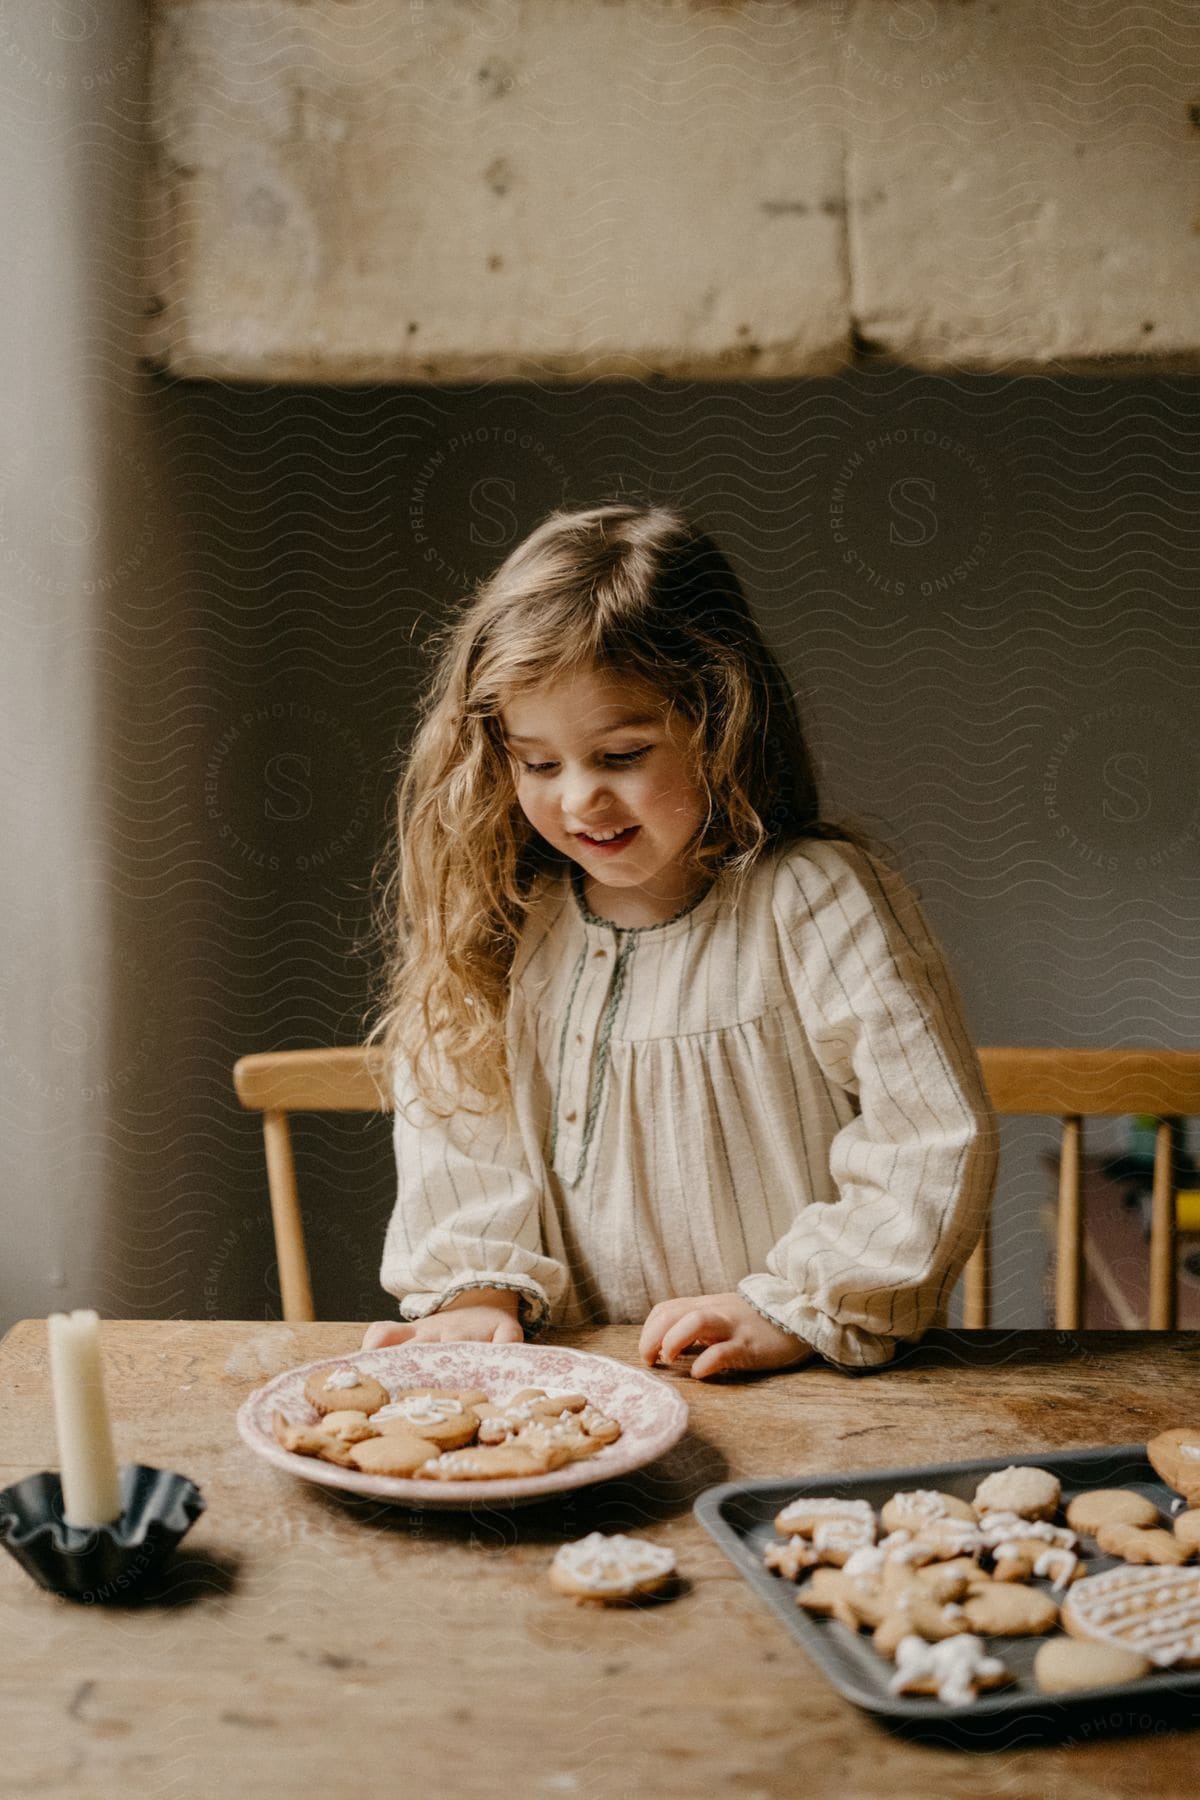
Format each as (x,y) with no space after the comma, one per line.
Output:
(867,1561)
(1191,1451)
(609,1565)
(920,1503)
(421,1409)
(1009,1528)
(1159,1609)
(343,1378)
(954,1666)
(1056,1557)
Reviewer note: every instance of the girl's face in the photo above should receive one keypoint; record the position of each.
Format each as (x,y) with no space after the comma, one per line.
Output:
(602,774)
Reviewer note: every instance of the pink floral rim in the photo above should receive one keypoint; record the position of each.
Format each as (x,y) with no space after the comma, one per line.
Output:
(652,1415)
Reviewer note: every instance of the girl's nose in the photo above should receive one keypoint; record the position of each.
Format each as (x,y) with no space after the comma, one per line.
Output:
(580,790)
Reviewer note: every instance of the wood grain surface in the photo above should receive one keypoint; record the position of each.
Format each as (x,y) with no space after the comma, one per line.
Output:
(304,1644)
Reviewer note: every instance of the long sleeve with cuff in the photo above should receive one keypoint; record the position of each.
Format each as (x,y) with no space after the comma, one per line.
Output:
(778,1095)
(913,1167)
(467,1214)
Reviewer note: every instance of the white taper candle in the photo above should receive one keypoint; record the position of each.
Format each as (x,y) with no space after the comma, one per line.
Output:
(90,1483)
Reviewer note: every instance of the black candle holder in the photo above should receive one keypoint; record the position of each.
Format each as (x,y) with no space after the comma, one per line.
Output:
(98,1563)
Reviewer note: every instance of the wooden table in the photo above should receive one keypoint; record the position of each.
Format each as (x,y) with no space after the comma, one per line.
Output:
(306,1644)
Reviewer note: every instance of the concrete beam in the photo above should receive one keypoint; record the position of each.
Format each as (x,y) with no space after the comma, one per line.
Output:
(457,190)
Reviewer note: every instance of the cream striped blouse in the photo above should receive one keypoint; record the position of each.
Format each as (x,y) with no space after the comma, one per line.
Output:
(779,1096)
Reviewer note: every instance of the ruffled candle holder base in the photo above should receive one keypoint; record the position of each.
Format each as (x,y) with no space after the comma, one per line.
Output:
(98,1563)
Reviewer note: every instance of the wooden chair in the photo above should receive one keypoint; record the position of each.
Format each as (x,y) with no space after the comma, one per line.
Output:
(1064,1084)
(276,1083)
(1071,1085)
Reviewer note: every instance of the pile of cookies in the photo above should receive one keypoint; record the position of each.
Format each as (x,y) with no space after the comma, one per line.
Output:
(933,1575)
(442,1434)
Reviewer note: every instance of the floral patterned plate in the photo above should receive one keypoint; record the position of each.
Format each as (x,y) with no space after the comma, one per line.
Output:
(652,1416)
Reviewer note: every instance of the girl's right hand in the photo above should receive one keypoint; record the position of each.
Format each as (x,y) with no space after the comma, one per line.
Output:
(465,1320)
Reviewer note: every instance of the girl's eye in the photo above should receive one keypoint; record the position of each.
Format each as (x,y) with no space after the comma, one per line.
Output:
(623,757)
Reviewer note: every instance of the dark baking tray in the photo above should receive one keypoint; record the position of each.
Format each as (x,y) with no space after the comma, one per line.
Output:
(739,1515)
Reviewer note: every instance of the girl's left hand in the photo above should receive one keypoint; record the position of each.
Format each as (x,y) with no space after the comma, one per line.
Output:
(736,1336)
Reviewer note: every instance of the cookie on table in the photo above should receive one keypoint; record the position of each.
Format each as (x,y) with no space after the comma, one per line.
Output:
(1004,1609)
(1144,1546)
(1151,1610)
(344,1389)
(389,1454)
(956,1670)
(1063,1664)
(1031,1493)
(1175,1455)
(1187,1528)
(1090,1511)
(916,1508)
(493,1462)
(610,1570)
(440,1416)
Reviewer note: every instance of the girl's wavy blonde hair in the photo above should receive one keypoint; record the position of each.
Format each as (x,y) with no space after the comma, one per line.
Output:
(633,591)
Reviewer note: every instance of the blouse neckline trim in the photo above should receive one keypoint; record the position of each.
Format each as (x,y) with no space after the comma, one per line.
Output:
(681,919)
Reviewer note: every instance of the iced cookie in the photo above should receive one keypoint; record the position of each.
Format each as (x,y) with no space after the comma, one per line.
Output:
(1008,1528)
(1110,1506)
(344,1389)
(824,1595)
(1135,1546)
(919,1614)
(1030,1493)
(612,1569)
(956,1670)
(920,1507)
(494,1462)
(801,1517)
(389,1454)
(872,1594)
(532,1406)
(941,1540)
(1000,1609)
(1153,1611)
(1063,1664)
(441,1418)
(1187,1528)
(1175,1455)
(1026,1557)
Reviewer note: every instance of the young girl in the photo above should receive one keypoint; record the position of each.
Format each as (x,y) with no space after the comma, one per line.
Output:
(670,1048)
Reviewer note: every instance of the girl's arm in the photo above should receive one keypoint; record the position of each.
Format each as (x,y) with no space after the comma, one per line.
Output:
(915,1168)
(467,1217)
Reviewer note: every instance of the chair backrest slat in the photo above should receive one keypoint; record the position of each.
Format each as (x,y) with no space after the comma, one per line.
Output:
(1072,1085)
(1068,1267)
(1163,1283)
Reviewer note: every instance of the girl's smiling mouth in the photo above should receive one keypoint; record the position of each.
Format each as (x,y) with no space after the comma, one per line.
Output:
(617,841)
